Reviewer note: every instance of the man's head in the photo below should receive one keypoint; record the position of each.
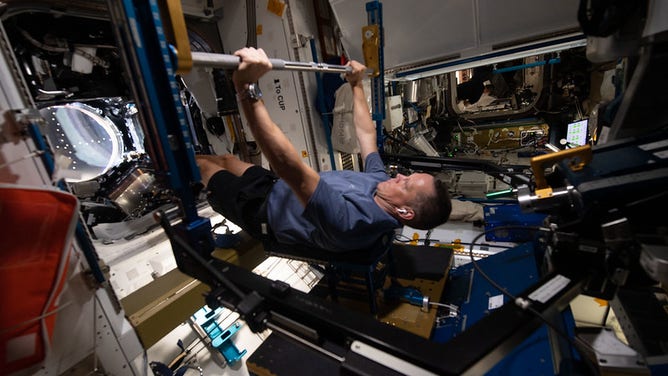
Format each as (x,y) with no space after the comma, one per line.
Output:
(418,200)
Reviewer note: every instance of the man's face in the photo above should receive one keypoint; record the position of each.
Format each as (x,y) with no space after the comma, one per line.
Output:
(402,189)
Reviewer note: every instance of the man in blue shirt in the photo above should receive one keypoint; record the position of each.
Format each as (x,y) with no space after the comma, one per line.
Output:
(337,210)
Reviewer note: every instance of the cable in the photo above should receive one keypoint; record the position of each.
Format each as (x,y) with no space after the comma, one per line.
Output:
(27,156)
(446,305)
(427,239)
(538,111)
(401,238)
(41,45)
(34,319)
(193,254)
(190,366)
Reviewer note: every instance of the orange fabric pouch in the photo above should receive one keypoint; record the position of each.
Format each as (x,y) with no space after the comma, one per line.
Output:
(35,242)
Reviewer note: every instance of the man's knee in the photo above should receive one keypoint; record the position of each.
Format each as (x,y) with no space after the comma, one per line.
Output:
(228,157)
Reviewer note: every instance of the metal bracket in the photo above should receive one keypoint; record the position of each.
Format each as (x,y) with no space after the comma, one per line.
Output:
(221,339)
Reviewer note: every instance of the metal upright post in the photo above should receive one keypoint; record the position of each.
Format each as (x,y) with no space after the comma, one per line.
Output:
(152,68)
(374,11)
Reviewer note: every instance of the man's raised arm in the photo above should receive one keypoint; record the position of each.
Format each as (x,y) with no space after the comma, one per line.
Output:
(364,125)
(282,155)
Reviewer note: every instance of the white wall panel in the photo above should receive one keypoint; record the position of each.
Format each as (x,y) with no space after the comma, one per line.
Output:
(427,30)
(290,100)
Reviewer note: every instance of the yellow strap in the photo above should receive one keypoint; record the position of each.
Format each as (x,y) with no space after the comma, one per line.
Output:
(371,46)
(175,30)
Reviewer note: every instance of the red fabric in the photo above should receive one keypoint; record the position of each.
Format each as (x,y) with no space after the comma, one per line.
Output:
(35,239)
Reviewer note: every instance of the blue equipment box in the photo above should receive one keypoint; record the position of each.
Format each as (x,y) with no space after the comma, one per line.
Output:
(516,270)
(510,215)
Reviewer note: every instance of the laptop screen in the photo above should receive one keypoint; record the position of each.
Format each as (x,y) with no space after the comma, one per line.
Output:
(577,132)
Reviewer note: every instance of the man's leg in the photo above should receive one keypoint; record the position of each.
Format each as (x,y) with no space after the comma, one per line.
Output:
(207,169)
(233,164)
(235,190)
(210,164)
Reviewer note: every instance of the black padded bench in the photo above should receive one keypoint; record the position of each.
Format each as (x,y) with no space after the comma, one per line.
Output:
(363,266)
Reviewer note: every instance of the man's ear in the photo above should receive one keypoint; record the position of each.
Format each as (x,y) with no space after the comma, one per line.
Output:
(405,213)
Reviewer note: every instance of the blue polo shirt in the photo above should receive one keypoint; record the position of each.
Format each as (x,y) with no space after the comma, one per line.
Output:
(340,216)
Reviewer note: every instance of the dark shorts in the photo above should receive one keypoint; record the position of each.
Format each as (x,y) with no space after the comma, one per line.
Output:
(242,199)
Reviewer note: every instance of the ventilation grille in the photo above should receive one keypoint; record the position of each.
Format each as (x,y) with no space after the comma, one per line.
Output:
(347,161)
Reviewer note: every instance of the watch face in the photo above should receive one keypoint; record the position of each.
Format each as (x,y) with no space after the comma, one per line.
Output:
(254,91)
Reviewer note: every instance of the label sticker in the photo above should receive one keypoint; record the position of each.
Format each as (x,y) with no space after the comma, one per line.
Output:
(276,7)
(495,302)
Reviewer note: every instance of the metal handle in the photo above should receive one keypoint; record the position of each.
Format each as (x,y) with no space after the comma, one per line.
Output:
(576,158)
(205,59)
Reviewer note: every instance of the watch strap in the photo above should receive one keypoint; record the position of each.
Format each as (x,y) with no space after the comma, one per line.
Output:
(250,93)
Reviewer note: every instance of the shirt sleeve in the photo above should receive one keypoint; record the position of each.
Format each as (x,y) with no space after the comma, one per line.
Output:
(374,163)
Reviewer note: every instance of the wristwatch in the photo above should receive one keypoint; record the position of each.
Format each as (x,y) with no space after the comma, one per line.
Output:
(251,93)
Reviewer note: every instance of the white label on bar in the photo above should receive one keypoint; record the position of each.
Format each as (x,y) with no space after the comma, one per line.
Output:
(661,154)
(550,289)
(654,145)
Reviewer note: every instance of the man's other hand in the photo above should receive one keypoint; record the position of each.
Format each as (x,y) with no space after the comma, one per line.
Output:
(358,73)
(254,63)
